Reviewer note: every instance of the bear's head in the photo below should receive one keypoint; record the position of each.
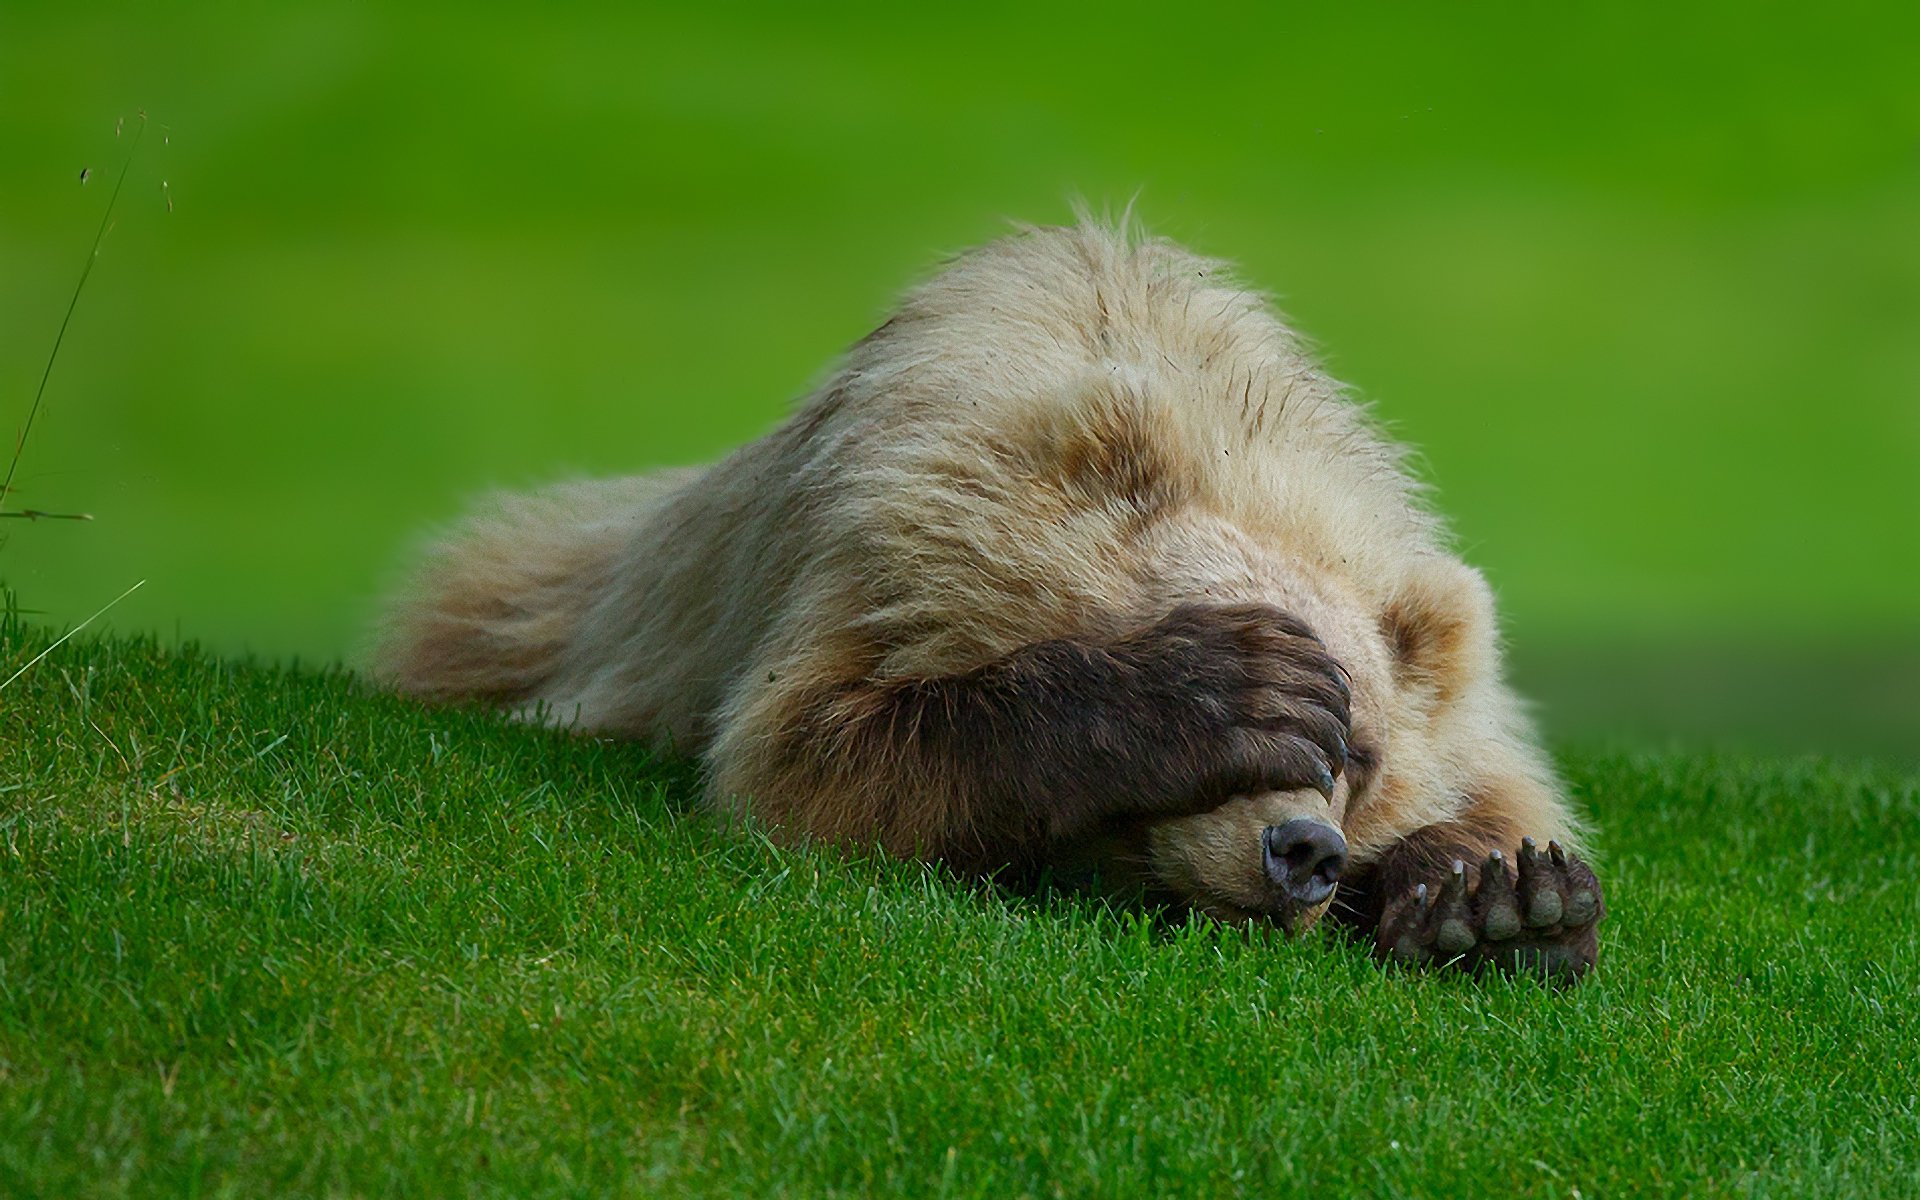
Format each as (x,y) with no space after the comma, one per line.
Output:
(1416,652)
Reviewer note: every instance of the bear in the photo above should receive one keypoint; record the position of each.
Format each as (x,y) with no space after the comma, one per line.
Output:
(1078,558)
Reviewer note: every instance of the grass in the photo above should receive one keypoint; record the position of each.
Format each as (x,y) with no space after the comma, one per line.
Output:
(264,932)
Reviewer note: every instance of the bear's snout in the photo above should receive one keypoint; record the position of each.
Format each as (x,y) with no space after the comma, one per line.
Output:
(1304,858)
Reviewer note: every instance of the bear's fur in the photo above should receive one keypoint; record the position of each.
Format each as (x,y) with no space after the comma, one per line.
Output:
(1077,555)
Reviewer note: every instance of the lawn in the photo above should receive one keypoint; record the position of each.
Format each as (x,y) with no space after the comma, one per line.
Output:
(265,932)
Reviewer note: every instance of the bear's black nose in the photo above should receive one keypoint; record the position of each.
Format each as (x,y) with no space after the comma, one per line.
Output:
(1305,857)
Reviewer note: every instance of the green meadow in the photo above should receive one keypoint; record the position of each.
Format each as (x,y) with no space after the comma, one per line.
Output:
(265,933)
(1641,283)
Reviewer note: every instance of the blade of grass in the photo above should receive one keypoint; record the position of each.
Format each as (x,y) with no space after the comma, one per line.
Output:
(69,633)
(93,255)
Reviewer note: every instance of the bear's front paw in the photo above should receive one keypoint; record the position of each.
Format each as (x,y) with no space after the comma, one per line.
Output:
(1253,696)
(1543,919)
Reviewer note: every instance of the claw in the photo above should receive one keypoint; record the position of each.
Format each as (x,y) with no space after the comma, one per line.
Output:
(1558,855)
(1407,946)
(1325,783)
(1499,909)
(1539,899)
(1455,934)
(1528,867)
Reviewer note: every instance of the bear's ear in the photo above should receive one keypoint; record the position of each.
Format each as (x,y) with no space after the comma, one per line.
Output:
(1439,625)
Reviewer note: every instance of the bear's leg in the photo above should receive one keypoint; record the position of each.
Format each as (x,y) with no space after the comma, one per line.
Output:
(1475,893)
(988,767)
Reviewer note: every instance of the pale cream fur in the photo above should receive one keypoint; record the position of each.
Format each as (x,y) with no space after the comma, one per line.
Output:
(921,515)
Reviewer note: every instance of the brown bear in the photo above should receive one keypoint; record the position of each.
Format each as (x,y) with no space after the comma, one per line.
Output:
(1077,556)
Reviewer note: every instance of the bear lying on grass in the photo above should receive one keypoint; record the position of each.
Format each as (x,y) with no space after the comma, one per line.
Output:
(1077,556)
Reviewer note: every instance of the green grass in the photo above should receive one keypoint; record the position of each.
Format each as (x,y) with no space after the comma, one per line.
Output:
(263,932)
(1641,284)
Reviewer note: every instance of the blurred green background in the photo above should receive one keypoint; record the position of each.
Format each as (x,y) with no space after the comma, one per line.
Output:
(1642,282)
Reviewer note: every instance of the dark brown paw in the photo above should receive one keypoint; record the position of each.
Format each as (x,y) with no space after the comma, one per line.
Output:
(1542,919)
(1267,706)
